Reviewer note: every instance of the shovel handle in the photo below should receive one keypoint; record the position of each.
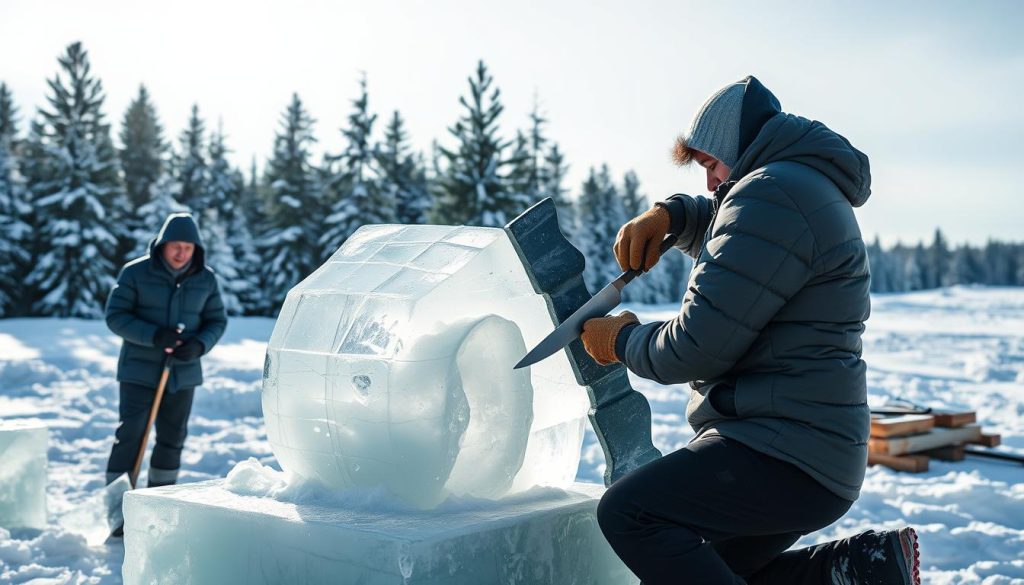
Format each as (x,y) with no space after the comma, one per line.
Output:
(628,276)
(160,387)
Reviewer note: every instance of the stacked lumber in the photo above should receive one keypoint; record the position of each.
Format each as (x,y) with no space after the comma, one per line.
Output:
(908,442)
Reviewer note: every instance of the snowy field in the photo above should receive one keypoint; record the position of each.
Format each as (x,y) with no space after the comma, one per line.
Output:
(959,347)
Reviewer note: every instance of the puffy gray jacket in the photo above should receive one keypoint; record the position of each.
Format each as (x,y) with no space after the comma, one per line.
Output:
(772,319)
(147,296)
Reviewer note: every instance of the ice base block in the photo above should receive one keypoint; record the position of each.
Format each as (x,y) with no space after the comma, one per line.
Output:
(202,534)
(23,447)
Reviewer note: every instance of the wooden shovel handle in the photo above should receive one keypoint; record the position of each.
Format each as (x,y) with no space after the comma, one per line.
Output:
(152,417)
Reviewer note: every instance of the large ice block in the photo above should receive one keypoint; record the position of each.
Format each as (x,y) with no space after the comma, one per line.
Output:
(204,534)
(392,365)
(22,474)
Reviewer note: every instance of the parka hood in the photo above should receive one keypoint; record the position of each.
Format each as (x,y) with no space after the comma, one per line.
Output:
(786,137)
(180,227)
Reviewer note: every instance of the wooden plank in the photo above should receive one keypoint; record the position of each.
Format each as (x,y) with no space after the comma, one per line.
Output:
(917,443)
(908,424)
(947,453)
(987,440)
(911,463)
(950,418)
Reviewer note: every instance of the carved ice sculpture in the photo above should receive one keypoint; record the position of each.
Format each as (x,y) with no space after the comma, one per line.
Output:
(392,365)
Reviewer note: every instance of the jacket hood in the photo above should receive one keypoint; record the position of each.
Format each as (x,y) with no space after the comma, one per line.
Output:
(785,137)
(180,227)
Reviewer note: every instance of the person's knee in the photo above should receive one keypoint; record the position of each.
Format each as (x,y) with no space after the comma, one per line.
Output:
(616,512)
(130,429)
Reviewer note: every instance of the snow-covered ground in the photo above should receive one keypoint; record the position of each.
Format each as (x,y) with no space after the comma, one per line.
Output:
(958,347)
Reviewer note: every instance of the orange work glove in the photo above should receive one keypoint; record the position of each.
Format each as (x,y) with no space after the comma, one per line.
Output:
(599,336)
(637,245)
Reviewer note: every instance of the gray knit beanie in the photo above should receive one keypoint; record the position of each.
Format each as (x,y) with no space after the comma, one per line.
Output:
(715,129)
(728,122)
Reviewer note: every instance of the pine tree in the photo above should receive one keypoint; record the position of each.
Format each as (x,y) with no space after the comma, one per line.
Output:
(225,232)
(915,268)
(472,189)
(403,176)
(522,180)
(143,149)
(14,253)
(82,183)
(554,180)
(633,202)
(143,153)
(938,261)
(190,164)
(354,188)
(288,242)
(600,210)
(163,201)
(964,266)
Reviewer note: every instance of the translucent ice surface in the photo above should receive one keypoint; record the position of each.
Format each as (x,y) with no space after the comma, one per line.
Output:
(22,474)
(392,365)
(202,533)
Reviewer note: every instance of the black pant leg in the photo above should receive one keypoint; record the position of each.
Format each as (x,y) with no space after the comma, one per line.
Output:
(746,555)
(663,518)
(171,430)
(135,402)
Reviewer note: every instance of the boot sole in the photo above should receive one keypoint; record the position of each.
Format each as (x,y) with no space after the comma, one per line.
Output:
(907,548)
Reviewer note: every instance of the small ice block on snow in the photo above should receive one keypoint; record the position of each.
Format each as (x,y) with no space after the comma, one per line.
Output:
(23,447)
(201,533)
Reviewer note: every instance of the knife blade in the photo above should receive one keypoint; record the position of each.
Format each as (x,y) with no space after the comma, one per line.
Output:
(599,305)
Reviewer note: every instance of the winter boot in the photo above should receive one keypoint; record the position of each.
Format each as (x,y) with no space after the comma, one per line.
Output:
(889,557)
(161,477)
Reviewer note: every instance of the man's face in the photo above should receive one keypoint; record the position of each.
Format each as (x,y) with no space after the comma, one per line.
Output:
(177,254)
(717,170)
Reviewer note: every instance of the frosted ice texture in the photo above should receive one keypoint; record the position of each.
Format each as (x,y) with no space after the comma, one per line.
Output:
(392,365)
(202,534)
(22,474)
(99,514)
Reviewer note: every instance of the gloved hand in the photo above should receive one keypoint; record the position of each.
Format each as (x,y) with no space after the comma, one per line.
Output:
(639,241)
(166,338)
(189,350)
(599,336)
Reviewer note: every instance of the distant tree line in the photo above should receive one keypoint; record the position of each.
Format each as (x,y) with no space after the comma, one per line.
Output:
(75,205)
(904,268)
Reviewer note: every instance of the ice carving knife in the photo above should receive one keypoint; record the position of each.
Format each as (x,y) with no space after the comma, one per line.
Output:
(599,305)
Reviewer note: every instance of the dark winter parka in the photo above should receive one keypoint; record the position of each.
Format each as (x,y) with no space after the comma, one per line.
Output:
(147,296)
(772,319)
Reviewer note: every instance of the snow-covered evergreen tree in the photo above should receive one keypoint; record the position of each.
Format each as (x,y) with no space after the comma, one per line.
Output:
(190,164)
(143,148)
(163,201)
(230,248)
(522,179)
(634,203)
(14,252)
(143,156)
(403,175)
(554,187)
(600,212)
(75,271)
(534,163)
(288,241)
(472,188)
(964,266)
(353,187)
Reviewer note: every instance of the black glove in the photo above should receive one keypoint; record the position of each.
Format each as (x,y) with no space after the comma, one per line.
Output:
(189,350)
(166,338)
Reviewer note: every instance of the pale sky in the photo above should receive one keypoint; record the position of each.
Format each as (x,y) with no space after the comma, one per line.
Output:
(930,90)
